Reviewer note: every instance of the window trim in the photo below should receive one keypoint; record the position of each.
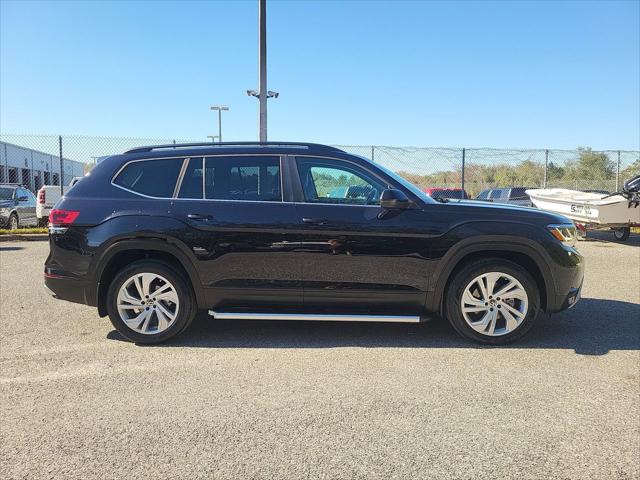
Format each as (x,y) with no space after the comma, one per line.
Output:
(183,169)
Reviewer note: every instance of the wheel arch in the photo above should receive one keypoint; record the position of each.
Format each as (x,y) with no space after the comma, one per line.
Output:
(518,252)
(127,251)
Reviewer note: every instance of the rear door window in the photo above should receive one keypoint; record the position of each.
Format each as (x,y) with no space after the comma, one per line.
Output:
(154,178)
(247,178)
(518,193)
(496,194)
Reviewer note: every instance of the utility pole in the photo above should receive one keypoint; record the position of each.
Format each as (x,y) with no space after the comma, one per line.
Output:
(61,166)
(262,94)
(219,108)
(262,68)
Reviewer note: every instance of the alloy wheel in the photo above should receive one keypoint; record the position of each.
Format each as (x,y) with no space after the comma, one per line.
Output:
(494,304)
(148,303)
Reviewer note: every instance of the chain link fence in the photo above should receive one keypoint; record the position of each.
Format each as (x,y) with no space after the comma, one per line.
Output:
(36,160)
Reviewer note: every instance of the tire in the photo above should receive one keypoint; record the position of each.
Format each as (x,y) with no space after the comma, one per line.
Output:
(147,324)
(527,304)
(621,234)
(14,222)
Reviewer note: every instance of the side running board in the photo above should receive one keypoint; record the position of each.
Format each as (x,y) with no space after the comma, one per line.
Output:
(315,317)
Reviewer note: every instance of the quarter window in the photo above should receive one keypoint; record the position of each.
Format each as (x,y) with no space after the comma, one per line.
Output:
(332,181)
(155,178)
(252,178)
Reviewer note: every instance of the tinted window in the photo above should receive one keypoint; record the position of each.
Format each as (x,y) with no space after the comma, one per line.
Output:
(156,178)
(518,193)
(192,184)
(484,195)
(497,193)
(332,181)
(6,193)
(255,178)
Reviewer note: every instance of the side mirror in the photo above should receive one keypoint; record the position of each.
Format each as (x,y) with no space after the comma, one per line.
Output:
(393,199)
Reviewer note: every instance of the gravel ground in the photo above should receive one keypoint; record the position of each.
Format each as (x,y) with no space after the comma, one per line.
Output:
(320,400)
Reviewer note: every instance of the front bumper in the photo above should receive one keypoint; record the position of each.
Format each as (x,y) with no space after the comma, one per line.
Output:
(569,280)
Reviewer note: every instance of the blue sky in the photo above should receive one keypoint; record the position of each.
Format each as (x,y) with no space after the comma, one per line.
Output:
(500,74)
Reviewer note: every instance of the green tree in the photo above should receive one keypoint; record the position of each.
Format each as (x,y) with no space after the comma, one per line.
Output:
(593,166)
(631,171)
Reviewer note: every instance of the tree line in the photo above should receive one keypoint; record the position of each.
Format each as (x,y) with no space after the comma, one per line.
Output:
(588,166)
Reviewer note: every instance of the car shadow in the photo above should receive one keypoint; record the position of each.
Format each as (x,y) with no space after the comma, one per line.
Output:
(593,327)
(10,248)
(607,237)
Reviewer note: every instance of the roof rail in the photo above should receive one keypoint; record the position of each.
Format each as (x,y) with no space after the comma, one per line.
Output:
(150,148)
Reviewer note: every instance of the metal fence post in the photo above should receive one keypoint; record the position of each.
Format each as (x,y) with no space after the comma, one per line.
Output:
(546,168)
(61,167)
(618,173)
(464,155)
(372,153)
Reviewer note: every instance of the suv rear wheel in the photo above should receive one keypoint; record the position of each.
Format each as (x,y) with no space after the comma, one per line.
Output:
(149,302)
(492,301)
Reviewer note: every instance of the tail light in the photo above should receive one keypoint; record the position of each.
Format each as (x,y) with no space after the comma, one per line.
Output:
(62,217)
(42,197)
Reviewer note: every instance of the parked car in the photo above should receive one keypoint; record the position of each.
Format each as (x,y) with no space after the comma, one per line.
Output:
(438,193)
(513,195)
(262,231)
(17,207)
(48,196)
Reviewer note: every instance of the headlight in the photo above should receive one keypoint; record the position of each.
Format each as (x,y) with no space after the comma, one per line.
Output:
(4,211)
(565,232)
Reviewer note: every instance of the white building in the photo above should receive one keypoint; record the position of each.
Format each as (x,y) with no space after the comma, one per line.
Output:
(33,168)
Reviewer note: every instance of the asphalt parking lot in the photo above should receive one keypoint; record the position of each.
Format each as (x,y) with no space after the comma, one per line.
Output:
(320,400)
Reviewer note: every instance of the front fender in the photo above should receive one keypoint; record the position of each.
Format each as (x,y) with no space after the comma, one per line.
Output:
(493,238)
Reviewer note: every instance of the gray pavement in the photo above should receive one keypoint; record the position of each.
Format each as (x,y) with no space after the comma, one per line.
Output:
(320,400)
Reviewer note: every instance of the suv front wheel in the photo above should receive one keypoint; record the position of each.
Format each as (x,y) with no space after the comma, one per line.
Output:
(149,302)
(492,301)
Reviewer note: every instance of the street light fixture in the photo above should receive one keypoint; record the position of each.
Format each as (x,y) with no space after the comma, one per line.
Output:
(219,108)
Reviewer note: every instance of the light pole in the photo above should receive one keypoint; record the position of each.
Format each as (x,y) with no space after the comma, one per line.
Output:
(219,108)
(263,93)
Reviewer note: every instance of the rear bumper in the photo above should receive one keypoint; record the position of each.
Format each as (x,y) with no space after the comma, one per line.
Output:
(65,288)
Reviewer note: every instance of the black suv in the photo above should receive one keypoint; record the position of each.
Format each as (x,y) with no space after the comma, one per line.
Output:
(293,231)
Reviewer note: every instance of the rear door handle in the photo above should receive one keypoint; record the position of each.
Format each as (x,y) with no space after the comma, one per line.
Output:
(314,221)
(200,216)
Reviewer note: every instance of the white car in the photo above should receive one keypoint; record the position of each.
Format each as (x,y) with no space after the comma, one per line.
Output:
(48,196)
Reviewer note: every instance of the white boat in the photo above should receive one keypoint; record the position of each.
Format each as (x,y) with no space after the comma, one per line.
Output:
(588,208)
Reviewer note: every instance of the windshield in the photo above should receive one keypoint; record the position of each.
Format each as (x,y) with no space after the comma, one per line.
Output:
(405,183)
(6,193)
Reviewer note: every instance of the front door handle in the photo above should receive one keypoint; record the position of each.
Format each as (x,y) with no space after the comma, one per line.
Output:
(314,221)
(200,216)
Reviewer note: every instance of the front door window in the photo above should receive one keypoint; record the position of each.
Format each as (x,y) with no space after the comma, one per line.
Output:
(340,183)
